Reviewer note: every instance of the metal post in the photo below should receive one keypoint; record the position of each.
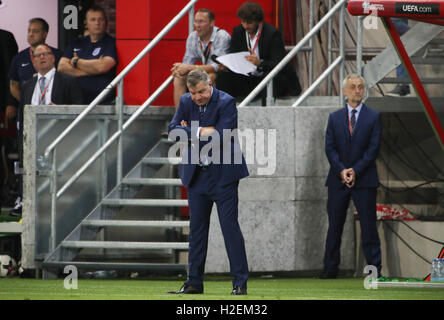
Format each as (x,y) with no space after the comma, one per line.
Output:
(341,51)
(359,46)
(310,44)
(119,109)
(191,20)
(329,50)
(103,136)
(270,97)
(52,240)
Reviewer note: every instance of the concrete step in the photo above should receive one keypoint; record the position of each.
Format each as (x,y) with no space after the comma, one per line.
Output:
(134,223)
(124,245)
(428,60)
(152,181)
(146,202)
(155,160)
(407,80)
(114,265)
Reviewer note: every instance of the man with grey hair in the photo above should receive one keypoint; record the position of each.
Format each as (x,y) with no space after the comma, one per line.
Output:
(205,115)
(352,143)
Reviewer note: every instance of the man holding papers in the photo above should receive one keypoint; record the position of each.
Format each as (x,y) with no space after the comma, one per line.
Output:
(263,49)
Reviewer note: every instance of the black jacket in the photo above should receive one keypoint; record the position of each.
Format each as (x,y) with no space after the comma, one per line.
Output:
(271,51)
(8,49)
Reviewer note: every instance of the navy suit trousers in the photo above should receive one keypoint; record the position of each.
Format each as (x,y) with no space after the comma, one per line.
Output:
(202,193)
(337,205)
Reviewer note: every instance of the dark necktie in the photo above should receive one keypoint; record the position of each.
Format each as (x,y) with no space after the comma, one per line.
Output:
(353,121)
(201,113)
(42,90)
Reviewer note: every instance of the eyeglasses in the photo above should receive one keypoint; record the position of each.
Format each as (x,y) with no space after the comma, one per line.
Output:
(44,54)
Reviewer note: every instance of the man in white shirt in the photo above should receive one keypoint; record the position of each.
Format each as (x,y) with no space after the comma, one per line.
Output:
(46,87)
(49,86)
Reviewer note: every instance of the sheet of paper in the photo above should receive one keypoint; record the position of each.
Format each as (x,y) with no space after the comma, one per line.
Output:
(236,62)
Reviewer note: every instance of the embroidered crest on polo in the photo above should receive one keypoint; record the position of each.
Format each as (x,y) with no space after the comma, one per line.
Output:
(96,51)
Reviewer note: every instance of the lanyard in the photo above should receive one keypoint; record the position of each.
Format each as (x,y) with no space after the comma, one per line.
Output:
(349,124)
(206,52)
(257,40)
(43,94)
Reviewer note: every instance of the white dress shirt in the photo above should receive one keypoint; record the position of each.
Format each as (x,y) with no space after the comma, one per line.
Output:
(38,93)
(358,110)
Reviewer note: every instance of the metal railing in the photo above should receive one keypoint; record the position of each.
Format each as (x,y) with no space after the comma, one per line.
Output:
(268,80)
(50,153)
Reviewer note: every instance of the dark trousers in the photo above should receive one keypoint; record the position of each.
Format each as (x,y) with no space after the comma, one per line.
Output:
(240,86)
(202,193)
(337,205)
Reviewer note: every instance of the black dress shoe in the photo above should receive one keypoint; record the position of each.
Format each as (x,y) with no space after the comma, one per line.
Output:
(187,289)
(238,291)
(327,275)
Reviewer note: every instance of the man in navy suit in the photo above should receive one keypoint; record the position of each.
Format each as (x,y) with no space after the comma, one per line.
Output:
(352,143)
(207,118)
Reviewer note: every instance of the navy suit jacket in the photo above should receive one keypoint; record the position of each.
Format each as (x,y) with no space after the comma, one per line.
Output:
(358,151)
(221,112)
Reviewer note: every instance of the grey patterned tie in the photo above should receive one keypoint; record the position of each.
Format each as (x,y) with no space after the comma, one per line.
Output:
(353,121)
(42,81)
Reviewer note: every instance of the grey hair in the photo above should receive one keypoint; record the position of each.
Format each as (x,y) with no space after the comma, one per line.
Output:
(197,75)
(353,76)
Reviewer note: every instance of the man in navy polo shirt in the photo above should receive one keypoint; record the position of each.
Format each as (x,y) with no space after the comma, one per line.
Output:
(22,68)
(92,59)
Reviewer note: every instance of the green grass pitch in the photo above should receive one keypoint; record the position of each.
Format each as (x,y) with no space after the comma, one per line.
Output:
(216,288)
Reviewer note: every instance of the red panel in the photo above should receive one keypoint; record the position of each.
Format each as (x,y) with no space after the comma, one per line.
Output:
(151,72)
(161,59)
(132,19)
(136,82)
(144,19)
(138,21)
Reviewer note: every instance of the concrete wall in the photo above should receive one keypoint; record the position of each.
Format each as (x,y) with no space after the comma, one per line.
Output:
(282,208)
(398,260)
(283,215)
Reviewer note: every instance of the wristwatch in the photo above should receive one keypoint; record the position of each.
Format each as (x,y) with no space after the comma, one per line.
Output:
(74,62)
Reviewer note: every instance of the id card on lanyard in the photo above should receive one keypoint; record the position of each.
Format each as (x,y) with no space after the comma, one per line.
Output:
(205,53)
(256,43)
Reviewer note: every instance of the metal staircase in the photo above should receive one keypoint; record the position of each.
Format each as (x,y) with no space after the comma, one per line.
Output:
(416,41)
(154,170)
(105,238)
